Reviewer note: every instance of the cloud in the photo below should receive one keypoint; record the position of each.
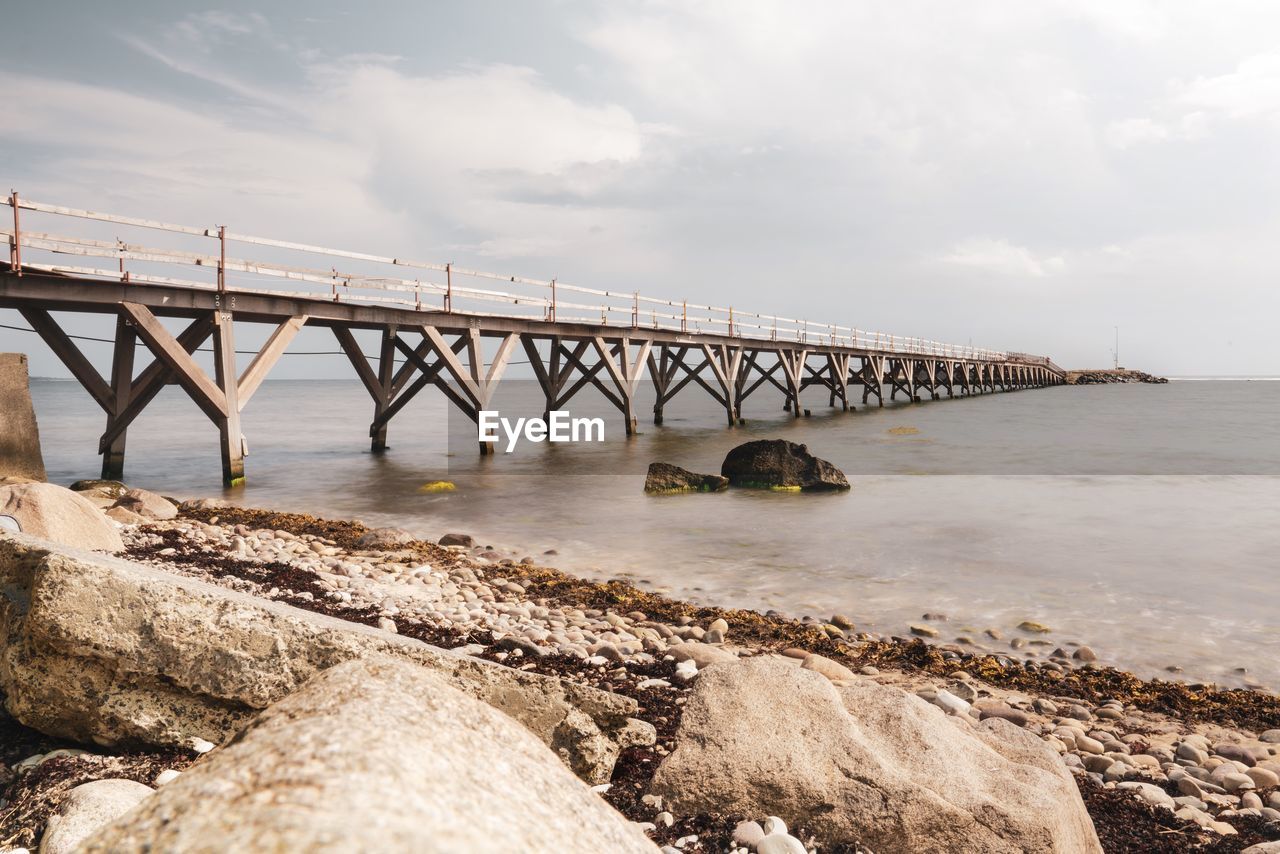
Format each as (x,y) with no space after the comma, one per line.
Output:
(1002,258)
(1252,90)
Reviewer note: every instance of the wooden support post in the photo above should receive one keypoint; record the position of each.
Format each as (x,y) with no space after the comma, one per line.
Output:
(626,374)
(658,374)
(386,376)
(726,362)
(231,440)
(122,385)
(793,362)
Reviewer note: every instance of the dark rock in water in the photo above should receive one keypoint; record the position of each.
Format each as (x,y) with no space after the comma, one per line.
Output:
(1115,375)
(666,478)
(457,540)
(779,464)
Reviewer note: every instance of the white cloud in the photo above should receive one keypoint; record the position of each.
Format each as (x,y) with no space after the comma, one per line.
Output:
(1003,258)
(1252,90)
(1131,132)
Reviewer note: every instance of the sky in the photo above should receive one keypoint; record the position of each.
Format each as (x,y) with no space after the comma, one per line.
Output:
(1024,176)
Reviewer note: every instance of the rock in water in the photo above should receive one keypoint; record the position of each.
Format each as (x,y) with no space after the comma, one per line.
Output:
(457,540)
(779,464)
(666,478)
(103,651)
(376,755)
(87,808)
(60,516)
(867,762)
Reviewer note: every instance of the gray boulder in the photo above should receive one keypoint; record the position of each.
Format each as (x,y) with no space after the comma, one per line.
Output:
(100,650)
(59,515)
(86,809)
(147,504)
(779,464)
(867,763)
(664,478)
(376,755)
(457,540)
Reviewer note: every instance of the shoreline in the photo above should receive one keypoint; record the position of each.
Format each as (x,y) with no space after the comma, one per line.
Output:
(616,636)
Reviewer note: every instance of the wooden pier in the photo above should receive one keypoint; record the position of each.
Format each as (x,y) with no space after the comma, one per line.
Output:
(447,327)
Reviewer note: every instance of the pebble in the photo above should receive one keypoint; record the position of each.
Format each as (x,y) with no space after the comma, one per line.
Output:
(748,833)
(924,631)
(167,776)
(1150,793)
(1191,753)
(1263,778)
(1013,716)
(1089,745)
(1084,654)
(833,670)
(950,703)
(780,843)
(1033,627)
(664,818)
(840,621)
(1236,782)
(199,745)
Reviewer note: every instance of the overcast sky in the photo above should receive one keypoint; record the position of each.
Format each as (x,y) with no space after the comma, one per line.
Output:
(1025,175)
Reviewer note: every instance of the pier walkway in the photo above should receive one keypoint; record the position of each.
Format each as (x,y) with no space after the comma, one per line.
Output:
(441,326)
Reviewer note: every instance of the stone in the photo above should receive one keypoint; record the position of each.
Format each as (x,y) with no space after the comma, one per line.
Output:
(125,517)
(1150,793)
(1034,627)
(97,649)
(1013,716)
(701,654)
(1235,752)
(666,479)
(1191,753)
(748,833)
(148,504)
(60,516)
(950,703)
(204,504)
(840,621)
(112,489)
(1236,783)
(868,762)
(1263,848)
(468,541)
(1271,736)
(1084,653)
(1263,778)
(924,631)
(779,464)
(383,755)
(384,538)
(833,670)
(780,843)
(19,434)
(87,808)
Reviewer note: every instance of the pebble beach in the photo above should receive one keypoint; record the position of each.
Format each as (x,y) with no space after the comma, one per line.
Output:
(1176,766)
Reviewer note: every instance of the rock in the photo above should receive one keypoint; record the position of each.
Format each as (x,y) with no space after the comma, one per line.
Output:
(1237,783)
(779,464)
(840,621)
(167,776)
(780,843)
(466,540)
(1235,752)
(125,517)
(100,650)
(950,703)
(147,504)
(112,489)
(1150,793)
(1034,627)
(87,808)
(60,516)
(748,833)
(664,479)
(701,654)
(833,670)
(204,504)
(1263,778)
(1084,653)
(1013,716)
(1271,736)
(924,631)
(1263,848)
(380,755)
(384,538)
(20,455)
(868,762)
(1187,750)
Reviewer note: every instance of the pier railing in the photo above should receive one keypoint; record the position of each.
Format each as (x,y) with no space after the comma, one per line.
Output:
(117,248)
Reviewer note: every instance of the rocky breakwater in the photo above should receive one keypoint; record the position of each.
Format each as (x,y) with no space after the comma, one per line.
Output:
(1105,376)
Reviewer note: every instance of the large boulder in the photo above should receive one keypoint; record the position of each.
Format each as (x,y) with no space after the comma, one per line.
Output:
(147,504)
(59,515)
(86,809)
(779,464)
(665,478)
(376,755)
(866,763)
(19,436)
(97,649)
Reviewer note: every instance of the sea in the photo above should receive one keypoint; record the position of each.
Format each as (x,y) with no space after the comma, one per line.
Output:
(1140,520)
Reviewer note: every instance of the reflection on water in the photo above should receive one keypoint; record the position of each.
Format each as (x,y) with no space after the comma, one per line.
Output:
(1128,517)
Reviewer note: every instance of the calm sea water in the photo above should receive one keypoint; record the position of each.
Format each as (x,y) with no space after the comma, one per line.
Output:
(1138,519)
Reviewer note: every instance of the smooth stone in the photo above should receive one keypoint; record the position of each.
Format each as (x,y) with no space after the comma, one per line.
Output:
(950,703)
(1150,793)
(833,670)
(1237,782)
(748,833)
(1263,778)
(1236,753)
(1084,653)
(1089,745)
(840,621)
(87,808)
(1189,751)
(719,624)
(167,776)
(1013,716)
(701,654)
(1034,627)
(924,631)
(780,843)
